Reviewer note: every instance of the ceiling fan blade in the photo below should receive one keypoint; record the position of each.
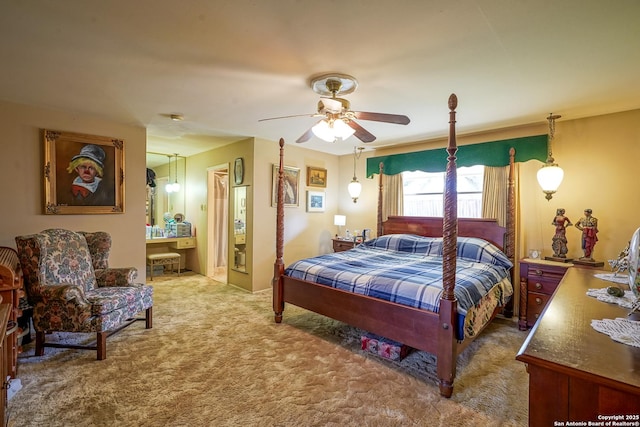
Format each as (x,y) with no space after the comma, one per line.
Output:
(305,136)
(397,119)
(288,117)
(361,133)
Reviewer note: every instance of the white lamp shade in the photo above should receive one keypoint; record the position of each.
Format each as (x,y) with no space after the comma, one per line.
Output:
(169,188)
(339,220)
(342,130)
(550,177)
(331,131)
(354,189)
(323,131)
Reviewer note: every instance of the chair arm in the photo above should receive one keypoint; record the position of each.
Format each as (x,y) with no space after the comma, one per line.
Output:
(109,277)
(65,293)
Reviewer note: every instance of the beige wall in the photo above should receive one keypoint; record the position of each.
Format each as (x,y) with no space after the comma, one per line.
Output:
(600,158)
(307,234)
(21,180)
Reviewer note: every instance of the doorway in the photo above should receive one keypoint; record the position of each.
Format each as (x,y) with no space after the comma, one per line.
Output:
(218,222)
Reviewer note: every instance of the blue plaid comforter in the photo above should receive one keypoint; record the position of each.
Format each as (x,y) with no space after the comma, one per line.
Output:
(412,279)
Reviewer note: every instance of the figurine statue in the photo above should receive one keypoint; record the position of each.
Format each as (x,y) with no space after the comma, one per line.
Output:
(589,227)
(559,245)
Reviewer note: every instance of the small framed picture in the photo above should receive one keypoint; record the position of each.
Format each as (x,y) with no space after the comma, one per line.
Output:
(315,201)
(238,171)
(316,177)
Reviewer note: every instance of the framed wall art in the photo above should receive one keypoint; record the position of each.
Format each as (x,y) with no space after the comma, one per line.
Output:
(316,177)
(83,174)
(291,186)
(315,201)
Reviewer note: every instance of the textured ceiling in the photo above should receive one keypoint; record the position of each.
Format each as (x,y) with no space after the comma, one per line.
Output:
(226,64)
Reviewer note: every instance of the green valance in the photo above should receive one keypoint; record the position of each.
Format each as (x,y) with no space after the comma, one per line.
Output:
(494,153)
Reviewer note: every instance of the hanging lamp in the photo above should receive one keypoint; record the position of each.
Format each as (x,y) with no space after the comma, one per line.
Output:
(550,175)
(355,187)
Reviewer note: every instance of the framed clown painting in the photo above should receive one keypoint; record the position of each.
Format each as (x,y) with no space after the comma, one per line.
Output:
(83,174)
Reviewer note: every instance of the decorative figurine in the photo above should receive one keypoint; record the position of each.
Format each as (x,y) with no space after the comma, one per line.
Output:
(559,244)
(589,227)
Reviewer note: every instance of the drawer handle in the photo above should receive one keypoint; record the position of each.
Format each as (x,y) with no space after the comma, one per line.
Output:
(536,315)
(538,286)
(538,300)
(538,272)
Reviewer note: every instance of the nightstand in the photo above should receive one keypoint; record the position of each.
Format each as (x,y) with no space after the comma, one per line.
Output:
(340,245)
(538,281)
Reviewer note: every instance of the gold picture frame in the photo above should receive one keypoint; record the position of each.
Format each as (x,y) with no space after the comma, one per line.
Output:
(83,174)
(292,186)
(316,177)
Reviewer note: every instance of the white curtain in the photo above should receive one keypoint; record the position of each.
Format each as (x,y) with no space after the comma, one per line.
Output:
(393,196)
(222,218)
(494,193)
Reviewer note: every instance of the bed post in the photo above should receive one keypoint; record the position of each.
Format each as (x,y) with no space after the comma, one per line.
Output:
(278,266)
(447,344)
(380,185)
(510,237)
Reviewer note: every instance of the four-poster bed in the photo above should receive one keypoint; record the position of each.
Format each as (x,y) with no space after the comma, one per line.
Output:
(436,331)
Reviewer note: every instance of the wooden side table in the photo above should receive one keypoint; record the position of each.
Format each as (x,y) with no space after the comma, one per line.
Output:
(538,281)
(340,245)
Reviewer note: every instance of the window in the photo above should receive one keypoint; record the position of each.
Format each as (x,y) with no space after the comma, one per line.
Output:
(423,192)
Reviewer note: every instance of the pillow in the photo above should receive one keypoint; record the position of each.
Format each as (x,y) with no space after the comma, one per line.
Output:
(474,249)
(480,250)
(409,243)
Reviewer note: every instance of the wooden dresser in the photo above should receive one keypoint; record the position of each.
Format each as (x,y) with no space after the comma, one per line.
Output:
(538,281)
(11,291)
(576,373)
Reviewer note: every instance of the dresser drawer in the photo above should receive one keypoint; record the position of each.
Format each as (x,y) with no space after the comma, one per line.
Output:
(542,285)
(184,243)
(535,304)
(547,272)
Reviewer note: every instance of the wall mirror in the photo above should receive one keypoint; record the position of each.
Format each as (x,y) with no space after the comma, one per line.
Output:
(240,229)
(168,169)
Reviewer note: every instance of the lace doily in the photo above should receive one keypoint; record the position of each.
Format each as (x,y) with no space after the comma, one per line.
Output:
(612,277)
(620,330)
(626,301)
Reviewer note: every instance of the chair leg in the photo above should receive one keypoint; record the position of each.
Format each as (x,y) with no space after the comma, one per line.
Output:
(149,318)
(40,343)
(101,344)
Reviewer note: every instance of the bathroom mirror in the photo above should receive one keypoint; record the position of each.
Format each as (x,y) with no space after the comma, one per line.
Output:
(166,169)
(240,229)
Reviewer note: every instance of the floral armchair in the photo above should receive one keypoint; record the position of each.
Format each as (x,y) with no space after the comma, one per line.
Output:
(72,289)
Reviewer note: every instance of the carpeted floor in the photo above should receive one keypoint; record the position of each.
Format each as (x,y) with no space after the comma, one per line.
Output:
(215,357)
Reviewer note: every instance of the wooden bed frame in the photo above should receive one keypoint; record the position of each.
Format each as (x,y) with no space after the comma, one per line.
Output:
(423,330)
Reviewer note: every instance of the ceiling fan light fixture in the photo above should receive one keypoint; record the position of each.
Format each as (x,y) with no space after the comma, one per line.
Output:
(342,130)
(330,131)
(323,131)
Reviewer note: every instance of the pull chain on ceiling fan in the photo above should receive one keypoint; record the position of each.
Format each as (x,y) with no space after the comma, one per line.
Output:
(338,120)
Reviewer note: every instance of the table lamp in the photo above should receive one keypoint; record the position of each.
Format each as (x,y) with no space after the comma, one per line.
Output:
(339,220)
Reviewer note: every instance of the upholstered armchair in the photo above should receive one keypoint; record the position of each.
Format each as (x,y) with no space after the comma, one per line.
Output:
(72,289)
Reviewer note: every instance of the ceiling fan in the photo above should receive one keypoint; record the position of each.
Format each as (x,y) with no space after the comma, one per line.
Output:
(338,120)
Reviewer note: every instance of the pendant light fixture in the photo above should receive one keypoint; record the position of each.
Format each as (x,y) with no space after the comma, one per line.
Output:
(355,187)
(550,175)
(173,187)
